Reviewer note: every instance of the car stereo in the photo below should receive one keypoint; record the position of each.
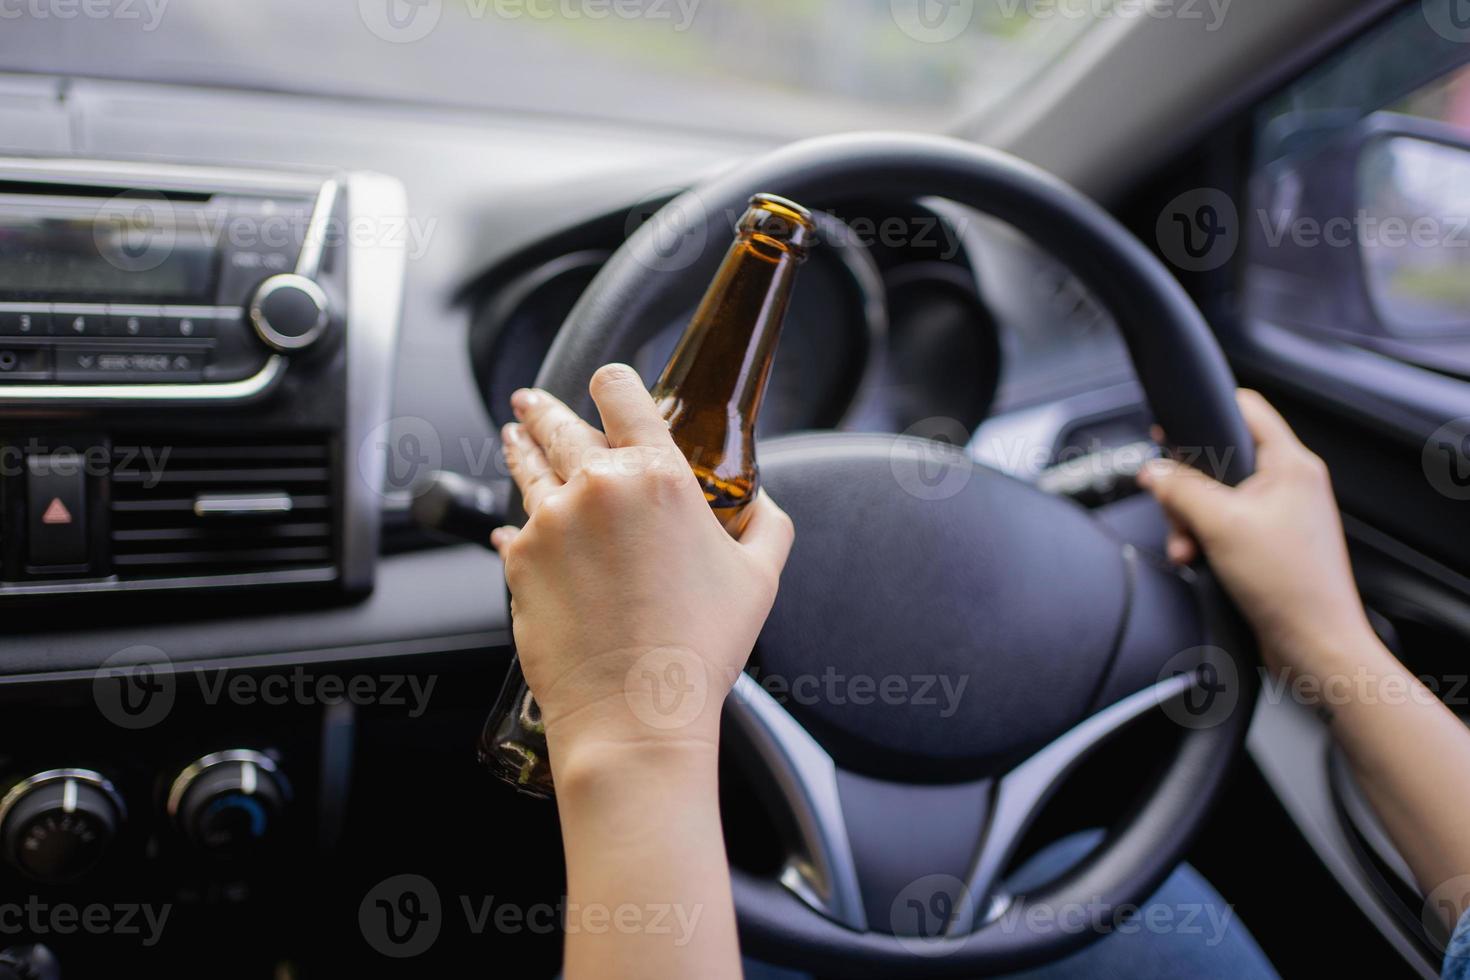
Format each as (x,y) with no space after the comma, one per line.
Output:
(192,363)
(101,285)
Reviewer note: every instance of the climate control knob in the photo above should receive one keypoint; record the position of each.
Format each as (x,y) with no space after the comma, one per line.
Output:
(289,312)
(56,825)
(228,803)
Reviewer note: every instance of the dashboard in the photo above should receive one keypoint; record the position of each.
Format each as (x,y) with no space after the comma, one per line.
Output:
(245,422)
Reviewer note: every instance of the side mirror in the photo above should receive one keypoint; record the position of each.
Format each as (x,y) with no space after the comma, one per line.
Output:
(1415,191)
(1365,232)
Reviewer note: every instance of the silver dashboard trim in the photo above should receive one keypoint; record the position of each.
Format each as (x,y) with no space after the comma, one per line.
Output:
(375,276)
(309,261)
(251,387)
(156,176)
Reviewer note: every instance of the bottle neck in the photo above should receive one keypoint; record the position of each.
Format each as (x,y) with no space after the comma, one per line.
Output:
(739,322)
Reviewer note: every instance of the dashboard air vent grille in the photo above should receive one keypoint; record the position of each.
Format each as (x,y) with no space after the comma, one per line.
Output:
(190,507)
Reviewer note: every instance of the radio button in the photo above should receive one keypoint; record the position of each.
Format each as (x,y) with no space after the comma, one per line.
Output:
(186,326)
(77,321)
(25,323)
(133,324)
(128,366)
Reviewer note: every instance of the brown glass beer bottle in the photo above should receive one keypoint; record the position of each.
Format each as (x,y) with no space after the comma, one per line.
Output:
(711,390)
(710,393)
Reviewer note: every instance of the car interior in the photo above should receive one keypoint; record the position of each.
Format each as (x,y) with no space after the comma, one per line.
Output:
(270,272)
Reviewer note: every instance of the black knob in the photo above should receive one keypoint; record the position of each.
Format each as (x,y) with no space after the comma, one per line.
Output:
(56,825)
(289,312)
(456,507)
(229,803)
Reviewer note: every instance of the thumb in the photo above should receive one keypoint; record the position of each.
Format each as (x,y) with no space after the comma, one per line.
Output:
(1190,498)
(769,533)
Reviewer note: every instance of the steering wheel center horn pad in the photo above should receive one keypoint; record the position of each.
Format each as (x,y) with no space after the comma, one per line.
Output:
(1034,633)
(937,620)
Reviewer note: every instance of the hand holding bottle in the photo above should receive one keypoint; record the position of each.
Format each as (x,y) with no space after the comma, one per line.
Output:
(707,401)
(634,610)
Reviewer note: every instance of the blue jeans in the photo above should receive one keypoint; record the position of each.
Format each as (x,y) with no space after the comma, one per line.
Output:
(1184,930)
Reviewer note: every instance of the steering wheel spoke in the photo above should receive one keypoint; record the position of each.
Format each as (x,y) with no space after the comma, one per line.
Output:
(988,818)
(822,871)
(1020,795)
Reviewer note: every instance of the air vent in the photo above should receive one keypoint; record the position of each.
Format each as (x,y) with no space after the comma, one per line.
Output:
(190,508)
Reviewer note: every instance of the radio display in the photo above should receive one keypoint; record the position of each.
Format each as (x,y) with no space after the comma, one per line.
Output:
(101,258)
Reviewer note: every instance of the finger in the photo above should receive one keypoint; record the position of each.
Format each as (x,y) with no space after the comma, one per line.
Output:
(1189,497)
(629,415)
(1181,547)
(501,537)
(563,437)
(1271,432)
(769,533)
(528,467)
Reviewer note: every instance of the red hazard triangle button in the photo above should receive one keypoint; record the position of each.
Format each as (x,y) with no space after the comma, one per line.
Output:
(56,513)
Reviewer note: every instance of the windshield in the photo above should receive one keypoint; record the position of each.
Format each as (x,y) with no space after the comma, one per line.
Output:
(773,67)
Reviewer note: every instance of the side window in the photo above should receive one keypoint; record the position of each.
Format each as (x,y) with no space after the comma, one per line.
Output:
(1359,219)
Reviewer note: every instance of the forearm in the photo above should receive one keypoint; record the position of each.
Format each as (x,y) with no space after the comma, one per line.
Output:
(648,887)
(1411,756)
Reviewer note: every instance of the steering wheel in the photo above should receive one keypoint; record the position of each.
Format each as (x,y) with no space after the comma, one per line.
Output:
(922,582)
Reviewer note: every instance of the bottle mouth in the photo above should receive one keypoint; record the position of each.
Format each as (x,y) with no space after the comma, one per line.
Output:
(779,222)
